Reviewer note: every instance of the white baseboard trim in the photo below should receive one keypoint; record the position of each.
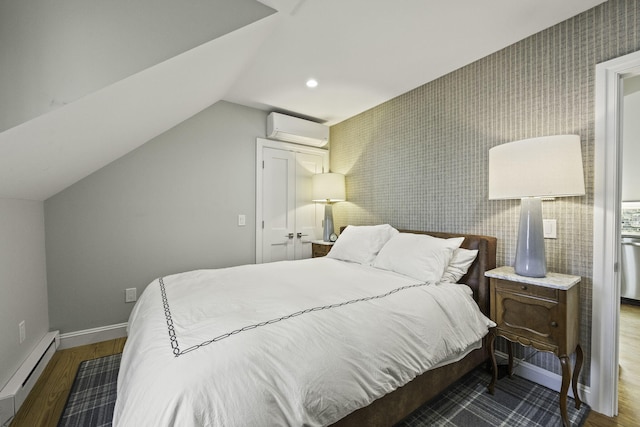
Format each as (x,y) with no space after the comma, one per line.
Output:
(545,378)
(17,389)
(91,336)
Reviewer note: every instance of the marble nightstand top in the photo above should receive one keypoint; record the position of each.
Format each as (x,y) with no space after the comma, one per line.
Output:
(551,280)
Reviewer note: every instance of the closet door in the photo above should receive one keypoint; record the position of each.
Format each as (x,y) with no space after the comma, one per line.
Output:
(309,215)
(287,219)
(278,204)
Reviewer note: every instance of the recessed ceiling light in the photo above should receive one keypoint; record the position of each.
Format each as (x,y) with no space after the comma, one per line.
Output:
(312,83)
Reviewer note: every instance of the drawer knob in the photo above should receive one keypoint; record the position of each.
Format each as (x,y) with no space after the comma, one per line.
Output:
(523,287)
(554,324)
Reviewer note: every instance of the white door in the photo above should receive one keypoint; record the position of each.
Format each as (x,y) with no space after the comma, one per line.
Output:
(279,201)
(287,219)
(309,215)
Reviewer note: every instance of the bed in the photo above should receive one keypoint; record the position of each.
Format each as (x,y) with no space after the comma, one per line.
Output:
(323,341)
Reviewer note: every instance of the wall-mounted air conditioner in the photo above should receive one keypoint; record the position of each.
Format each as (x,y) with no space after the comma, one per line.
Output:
(293,129)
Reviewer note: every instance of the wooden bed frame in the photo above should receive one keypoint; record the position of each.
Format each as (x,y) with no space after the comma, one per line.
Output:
(397,405)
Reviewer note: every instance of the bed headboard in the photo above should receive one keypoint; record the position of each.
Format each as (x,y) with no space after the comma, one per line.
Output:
(486,260)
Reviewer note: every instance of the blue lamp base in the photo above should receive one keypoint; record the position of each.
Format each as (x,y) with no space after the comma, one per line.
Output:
(530,257)
(328,223)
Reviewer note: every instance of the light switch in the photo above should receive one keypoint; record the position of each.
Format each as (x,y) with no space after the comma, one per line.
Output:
(242,220)
(550,228)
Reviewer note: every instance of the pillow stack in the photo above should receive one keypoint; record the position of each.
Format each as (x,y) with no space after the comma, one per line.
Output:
(420,256)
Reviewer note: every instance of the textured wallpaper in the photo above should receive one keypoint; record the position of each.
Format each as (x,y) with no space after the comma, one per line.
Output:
(420,161)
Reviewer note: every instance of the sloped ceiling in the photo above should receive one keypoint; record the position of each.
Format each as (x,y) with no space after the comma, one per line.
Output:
(108,113)
(84,81)
(56,52)
(47,154)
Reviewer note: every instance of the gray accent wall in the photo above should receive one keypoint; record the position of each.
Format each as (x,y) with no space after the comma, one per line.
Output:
(170,206)
(420,161)
(23,282)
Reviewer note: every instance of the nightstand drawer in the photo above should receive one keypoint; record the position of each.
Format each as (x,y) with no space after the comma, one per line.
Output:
(530,321)
(526,289)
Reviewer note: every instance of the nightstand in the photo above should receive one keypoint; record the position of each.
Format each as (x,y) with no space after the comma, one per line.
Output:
(542,313)
(320,248)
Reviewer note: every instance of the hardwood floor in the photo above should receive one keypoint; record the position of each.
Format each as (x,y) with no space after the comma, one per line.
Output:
(629,378)
(46,401)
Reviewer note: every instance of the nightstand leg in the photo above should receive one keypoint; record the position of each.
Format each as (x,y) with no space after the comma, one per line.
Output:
(494,364)
(510,353)
(566,379)
(576,372)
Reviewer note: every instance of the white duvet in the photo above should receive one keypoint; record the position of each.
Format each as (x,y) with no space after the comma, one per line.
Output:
(299,343)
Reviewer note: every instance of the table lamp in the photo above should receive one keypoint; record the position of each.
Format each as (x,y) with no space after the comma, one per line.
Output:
(530,170)
(328,188)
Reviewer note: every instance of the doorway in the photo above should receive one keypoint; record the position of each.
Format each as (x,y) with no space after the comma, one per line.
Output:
(605,350)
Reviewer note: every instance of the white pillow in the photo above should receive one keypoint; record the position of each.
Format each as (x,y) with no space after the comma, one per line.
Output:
(420,256)
(362,243)
(459,264)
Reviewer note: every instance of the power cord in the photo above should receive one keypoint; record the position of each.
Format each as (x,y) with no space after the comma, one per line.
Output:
(526,358)
(502,369)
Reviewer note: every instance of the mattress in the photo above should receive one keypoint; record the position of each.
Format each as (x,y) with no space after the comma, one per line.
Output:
(289,343)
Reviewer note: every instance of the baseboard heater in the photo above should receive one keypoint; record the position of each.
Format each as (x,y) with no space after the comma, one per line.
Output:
(17,389)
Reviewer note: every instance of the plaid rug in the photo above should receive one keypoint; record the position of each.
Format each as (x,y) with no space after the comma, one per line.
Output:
(516,403)
(93,394)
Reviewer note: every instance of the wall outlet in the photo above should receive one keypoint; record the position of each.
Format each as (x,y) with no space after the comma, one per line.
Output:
(22,331)
(130,295)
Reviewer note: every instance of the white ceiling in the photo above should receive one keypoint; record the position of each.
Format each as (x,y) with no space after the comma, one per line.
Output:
(365,52)
(362,52)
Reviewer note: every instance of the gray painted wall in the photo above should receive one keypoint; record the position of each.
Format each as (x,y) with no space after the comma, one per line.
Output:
(53,53)
(169,206)
(420,161)
(23,286)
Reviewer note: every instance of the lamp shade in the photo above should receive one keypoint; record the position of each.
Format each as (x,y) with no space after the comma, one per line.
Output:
(549,166)
(328,187)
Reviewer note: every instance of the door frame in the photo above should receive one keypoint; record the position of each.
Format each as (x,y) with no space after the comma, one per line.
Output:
(270,143)
(606,231)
